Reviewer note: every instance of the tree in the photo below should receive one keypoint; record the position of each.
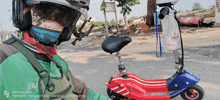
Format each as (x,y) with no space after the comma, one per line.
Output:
(103,5)
(151,4)
(212,7)
(121,21)
(125,7)
(196,6)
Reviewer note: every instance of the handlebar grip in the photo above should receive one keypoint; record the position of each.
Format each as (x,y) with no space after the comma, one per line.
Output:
(76,39)
(89,19)
(163,12)
(74,42)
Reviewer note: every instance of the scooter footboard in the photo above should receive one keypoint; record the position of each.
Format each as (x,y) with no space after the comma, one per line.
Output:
(137,88)
(141,94)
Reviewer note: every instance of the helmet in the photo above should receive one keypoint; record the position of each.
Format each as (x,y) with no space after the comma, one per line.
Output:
(173,2)
(22,18)
(80,5)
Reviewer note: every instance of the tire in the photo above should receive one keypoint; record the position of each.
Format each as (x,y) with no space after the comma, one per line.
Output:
(115,96)
(111,94)
(196,90)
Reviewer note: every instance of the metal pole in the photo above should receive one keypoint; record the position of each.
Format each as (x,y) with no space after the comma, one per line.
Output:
(176,58)
(121,66)
(1,33)
(116,17)
(106,25)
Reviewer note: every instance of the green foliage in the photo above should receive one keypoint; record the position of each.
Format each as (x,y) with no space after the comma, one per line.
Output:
(131,20)
(196,6)
(121,20)
(126,4)
(113,22)
(78,26)
(103,5)
(85,28)
(98,24)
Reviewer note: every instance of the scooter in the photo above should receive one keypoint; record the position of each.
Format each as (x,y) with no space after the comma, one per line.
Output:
(131,87)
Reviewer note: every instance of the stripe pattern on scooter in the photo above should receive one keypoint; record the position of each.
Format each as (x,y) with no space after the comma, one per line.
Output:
(141,89)
(120,90)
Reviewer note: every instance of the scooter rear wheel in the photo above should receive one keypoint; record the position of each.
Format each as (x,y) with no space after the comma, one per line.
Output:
(194,92)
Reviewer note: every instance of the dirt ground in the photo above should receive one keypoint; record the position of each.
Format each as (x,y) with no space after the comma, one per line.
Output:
(184,30)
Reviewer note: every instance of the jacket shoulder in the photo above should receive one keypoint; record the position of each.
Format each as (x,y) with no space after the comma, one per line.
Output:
(6,50)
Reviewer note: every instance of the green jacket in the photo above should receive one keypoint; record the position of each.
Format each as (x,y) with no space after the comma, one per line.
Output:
(19,80)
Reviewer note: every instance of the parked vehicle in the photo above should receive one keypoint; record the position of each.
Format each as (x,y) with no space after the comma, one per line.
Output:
(191,20)
(128,86)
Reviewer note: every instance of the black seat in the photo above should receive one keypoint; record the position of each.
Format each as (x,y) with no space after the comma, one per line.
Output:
(114,44)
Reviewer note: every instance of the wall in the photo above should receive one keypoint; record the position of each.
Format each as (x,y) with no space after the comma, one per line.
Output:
(217,11)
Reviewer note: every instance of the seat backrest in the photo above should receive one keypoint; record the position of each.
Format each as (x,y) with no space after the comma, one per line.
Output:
(114,44)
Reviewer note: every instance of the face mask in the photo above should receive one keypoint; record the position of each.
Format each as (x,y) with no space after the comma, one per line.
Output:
(44,35)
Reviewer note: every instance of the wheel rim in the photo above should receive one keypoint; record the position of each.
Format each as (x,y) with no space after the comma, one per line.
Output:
(194,92)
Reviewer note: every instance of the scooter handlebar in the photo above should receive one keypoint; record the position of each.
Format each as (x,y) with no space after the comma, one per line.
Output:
(90,29)
(163,12)
(84,23)
(81,35)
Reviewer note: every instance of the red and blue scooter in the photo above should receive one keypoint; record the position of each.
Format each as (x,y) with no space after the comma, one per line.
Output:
(131,87)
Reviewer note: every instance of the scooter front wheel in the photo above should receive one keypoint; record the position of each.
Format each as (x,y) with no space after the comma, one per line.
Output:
(194,92)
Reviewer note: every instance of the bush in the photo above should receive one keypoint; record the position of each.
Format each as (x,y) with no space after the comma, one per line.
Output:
(113,22)
(121,20)
(131,20)
(85,28)
(98,24)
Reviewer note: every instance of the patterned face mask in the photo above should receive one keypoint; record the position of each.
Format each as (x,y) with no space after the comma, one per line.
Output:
(44,35)
(45,31)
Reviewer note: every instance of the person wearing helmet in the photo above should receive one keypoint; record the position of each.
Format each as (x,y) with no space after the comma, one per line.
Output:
(30,68)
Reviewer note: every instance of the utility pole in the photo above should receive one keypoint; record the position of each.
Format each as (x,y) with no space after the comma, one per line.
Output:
(116,17)
(106,24)
(1,33)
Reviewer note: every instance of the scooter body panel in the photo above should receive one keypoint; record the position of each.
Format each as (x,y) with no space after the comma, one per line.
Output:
(162,89)
(137,88)
(180,82)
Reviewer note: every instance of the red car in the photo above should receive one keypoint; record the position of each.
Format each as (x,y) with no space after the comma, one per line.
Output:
(189,20)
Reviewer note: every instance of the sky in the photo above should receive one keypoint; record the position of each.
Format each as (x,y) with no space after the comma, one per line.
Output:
(97,15)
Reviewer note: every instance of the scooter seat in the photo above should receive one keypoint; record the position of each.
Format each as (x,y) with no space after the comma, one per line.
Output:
(114,44)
